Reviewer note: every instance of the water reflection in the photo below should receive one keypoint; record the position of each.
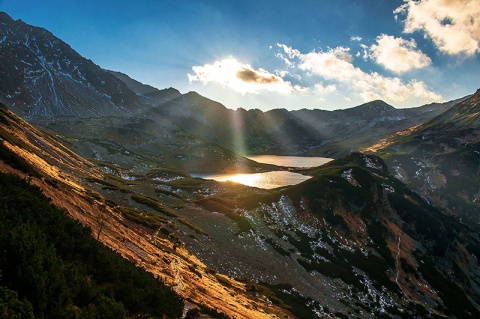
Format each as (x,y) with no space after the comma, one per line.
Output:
(266,180)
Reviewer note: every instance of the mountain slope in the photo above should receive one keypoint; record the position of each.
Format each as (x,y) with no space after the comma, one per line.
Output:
(153,95)
(57,269)
(355,240)
(440,158)
(352,241)
(368,123)
(129,227)
(44,76)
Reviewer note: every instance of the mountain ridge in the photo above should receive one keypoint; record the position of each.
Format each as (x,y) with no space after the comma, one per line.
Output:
(439,158)
(55,79)
(47,78)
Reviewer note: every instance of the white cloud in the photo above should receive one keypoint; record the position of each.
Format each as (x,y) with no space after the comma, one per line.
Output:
(281,74)
(453,25)
(241,78)
(333,64)
(301,90)
(357,38)
(292,53)
(366,53)
(398,55)
(287,62)
(325,89)
(336,65)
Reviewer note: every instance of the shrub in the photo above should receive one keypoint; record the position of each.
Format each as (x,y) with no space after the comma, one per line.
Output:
(52,265)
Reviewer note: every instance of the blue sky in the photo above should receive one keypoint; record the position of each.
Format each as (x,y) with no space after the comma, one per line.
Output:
(277,54)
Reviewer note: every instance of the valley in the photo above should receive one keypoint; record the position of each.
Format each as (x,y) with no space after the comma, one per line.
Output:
(383,225)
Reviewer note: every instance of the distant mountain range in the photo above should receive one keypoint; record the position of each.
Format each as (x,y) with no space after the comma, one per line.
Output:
(389,234)
(48,79)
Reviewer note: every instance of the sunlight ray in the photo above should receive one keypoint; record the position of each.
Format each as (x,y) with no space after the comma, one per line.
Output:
(238,132)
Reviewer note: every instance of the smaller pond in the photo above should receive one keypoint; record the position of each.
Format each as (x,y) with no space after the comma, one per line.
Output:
(269,180)
(266,180)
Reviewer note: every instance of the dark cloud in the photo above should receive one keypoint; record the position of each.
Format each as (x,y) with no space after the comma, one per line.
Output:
(249,75)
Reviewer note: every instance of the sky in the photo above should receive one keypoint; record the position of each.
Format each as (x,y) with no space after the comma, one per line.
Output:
(314,54)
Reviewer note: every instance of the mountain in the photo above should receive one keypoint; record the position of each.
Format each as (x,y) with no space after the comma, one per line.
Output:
(440,159)
(185,126)
(44,76)
(353,241)
(282,132)
(50,266)
(136,220)
(48,80)
(153,95)
(368,123)
(358,241)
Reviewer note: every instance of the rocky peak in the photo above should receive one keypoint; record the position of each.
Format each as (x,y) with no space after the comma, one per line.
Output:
(46,77)
(5,18)
(463,115)
(375,109)
(153,95)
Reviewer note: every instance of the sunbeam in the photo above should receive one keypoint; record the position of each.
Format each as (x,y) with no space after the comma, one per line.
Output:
(238,133)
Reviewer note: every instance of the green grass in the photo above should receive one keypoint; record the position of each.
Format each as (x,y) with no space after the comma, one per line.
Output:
(148,219)
(455,299)
(16,161)
(114,167)
(170,193)
(197,229)
(153,203)
(12,139)
(108,185)
(121,180)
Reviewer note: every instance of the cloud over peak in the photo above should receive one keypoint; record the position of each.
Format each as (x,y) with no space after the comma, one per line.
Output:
(336,65)
(453,25)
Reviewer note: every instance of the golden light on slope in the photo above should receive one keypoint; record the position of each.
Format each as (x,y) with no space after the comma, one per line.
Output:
(145,247)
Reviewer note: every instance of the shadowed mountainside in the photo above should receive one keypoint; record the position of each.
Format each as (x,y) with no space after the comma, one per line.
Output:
(45,76)
(440,159)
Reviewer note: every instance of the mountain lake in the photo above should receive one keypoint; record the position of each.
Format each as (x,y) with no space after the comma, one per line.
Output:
(269,180)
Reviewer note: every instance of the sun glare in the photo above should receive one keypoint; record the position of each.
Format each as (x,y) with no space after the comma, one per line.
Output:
(245,179)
